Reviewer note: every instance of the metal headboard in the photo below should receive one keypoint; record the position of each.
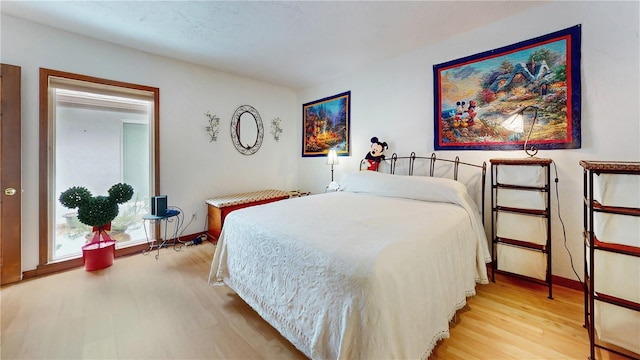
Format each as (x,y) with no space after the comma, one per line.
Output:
(392,161)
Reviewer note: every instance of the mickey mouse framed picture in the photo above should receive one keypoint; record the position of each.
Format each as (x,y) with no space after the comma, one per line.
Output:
(476,97)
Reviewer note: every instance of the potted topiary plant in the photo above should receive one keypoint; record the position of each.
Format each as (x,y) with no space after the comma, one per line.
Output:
(98,212)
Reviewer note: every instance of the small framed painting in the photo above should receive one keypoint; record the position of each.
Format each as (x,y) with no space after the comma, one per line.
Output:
(476,97)
(325,125)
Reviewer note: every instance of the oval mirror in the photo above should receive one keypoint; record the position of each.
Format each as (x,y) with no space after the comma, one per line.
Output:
(247,131)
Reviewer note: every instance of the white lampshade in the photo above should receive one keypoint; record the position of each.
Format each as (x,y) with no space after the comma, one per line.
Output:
(514,123)
(332,158)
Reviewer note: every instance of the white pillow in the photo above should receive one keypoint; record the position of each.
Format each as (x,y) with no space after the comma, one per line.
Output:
(423,188)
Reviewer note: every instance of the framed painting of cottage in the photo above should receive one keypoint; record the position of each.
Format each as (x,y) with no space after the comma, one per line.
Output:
(476,96)
(326,125)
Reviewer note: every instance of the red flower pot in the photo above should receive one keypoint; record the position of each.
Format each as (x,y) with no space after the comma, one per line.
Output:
(98,255)
(101,251)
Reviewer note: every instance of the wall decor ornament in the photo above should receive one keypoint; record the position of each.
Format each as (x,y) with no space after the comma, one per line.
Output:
(212,128)
(476,97)
(325,125)
(247,130)
(276,130)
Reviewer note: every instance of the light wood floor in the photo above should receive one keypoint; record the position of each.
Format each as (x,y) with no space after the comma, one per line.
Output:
(143,308)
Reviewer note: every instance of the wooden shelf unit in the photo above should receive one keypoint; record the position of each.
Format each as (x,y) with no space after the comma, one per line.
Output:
(593,245)
(523,244)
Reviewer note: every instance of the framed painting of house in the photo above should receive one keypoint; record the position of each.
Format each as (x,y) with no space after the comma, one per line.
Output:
(476,96)
(326,125)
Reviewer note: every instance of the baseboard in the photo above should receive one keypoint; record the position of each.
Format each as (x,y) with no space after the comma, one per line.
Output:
(568,283)
(557,281)
(56,267)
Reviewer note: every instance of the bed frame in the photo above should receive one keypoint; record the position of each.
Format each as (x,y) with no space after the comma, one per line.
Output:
(389,165)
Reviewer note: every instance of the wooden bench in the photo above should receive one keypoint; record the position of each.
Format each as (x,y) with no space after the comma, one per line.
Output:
(220,207)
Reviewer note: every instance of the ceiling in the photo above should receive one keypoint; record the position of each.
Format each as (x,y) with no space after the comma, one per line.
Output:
(295,44)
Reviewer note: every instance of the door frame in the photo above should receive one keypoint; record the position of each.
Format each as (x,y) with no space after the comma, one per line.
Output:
(10,174)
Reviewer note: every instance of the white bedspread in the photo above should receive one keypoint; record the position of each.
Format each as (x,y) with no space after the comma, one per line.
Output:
(354,275)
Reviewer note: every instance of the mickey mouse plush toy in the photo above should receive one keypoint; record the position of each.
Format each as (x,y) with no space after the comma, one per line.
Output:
(375,154)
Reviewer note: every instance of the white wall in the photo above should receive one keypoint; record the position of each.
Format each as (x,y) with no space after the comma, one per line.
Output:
(192,169)
(394,101)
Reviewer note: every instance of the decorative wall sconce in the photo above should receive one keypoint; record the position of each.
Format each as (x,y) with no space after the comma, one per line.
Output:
(212,129)
(276,130)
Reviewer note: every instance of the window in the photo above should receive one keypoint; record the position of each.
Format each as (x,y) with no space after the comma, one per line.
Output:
(94,133)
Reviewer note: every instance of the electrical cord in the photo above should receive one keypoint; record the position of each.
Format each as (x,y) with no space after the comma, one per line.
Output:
(564,232)
(202,237)
(180,224)
(197,240)
(206,224)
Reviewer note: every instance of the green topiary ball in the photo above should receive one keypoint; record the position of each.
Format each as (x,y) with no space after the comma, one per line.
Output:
(75,196)
(121,193)
(98,211)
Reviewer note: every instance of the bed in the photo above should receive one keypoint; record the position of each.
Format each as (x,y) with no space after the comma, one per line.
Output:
(373,271)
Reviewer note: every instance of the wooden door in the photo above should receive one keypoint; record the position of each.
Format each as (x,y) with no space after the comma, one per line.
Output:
(10,175)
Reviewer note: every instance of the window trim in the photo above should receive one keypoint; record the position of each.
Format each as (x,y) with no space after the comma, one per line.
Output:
(46,163)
